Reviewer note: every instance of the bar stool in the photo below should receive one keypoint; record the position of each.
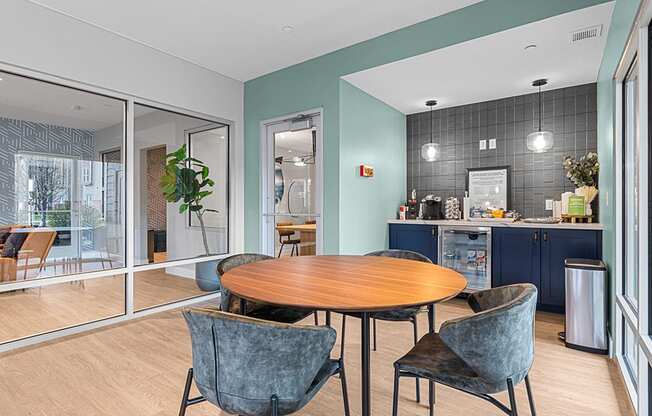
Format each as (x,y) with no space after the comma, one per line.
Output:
(288,239)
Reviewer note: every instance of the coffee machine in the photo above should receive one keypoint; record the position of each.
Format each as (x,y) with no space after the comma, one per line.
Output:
(432,208)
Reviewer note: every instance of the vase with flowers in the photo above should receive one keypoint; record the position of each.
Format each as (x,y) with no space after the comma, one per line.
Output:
(583,172)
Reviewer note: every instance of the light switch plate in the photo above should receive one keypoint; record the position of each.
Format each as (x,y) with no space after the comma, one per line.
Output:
(483,144)
(549,204)
(492,143)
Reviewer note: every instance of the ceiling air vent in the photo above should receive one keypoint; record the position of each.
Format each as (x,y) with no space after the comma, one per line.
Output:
(586,33)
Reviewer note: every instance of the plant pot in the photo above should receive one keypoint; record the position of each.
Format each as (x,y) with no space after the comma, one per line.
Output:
(206,276)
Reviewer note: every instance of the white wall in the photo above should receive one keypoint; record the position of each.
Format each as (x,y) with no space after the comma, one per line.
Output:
(38,39)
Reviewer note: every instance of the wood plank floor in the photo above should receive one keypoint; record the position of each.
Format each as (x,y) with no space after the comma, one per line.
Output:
(138,368)
(39,310)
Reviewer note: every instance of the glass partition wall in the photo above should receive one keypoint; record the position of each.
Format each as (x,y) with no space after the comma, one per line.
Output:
(108,208)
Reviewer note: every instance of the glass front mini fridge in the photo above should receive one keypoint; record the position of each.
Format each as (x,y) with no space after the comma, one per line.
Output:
(467,250)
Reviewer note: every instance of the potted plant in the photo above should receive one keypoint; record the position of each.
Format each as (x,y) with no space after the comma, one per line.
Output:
(186,180)
(583,173)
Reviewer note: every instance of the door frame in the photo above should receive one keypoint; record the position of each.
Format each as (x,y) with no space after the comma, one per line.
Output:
(264,161)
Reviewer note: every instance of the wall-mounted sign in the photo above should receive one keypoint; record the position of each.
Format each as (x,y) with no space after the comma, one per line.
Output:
(366,171)
(488,187)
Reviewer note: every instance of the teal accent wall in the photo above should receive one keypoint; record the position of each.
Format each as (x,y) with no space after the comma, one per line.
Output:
(371,133)
(621,24)
(316,83)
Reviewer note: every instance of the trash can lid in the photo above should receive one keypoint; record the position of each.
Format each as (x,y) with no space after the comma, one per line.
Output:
(589,264)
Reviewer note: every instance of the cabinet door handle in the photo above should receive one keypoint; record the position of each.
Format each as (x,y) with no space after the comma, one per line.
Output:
(536,236)
(545,236)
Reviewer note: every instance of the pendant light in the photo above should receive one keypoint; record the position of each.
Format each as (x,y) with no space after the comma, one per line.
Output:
(540,141)
(430,151)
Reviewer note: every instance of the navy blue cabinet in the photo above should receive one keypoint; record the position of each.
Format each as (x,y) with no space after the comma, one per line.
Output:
(415,237)
(516,256)
(556,246)
(536,255)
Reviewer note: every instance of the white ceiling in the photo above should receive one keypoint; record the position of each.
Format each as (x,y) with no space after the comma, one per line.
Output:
(25,99)
(493,66)
(244,39)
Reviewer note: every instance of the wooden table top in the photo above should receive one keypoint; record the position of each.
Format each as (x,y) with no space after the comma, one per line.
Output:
(298,227)
(344,283)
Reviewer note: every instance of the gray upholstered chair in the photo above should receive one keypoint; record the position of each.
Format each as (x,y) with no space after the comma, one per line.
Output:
(398,315)
(251,367)
(481,354)
(232,303)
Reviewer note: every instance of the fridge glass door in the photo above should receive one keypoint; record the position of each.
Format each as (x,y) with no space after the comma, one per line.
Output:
(468,252)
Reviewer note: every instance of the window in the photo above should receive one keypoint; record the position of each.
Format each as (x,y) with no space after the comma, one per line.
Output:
(64,205)
(630,351)
(163,232)
(631,167)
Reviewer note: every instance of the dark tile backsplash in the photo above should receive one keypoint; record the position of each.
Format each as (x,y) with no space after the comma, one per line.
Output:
(570,113)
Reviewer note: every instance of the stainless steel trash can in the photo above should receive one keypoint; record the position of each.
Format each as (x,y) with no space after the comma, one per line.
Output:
(586,305)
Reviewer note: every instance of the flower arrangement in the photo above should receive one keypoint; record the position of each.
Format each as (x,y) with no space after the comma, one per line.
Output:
(582,172)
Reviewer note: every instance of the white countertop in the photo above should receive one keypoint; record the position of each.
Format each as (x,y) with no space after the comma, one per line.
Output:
(489,223)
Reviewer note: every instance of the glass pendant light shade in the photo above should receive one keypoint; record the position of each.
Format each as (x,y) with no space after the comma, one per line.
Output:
(430,152)
(539,141)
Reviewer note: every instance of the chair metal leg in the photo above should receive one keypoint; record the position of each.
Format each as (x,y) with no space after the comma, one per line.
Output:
(512,397)
(397,375)
(328,318)
(280,250)
(342,337)
(316,318)
(416,338)
(374,334)
(530,398)
(186,393)
(274,401)
(345,393)
(431,397)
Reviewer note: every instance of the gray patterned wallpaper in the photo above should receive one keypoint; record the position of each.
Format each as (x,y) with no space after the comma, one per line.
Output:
(570,113)
(26,136)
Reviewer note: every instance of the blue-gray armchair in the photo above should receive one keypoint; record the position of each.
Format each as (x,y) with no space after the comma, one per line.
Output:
(232,303)
(251,367)
(481,354)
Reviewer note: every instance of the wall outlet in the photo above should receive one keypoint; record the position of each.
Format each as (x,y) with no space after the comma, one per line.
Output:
(549,204)
(492,143)
(483,144)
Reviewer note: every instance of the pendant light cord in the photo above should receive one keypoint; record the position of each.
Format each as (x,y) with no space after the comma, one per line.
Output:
(431,124)
(540,115)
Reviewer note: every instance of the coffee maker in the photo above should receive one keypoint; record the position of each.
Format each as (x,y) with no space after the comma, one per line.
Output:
(431,208)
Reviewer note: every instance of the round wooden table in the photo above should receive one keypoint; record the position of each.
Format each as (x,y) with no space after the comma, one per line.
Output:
(361,284)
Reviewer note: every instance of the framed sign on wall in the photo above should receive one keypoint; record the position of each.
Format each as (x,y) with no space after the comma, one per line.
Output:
(489,187)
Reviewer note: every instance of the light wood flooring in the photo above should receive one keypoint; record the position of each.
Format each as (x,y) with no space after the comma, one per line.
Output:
(57,306)
(138,369)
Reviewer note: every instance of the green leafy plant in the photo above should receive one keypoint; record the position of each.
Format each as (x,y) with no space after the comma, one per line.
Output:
(582,172)
(186,180)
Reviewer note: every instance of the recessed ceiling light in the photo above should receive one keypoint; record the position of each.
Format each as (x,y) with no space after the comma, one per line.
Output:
(530,47)
(287,28)
(0,79)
